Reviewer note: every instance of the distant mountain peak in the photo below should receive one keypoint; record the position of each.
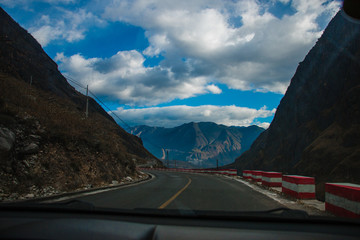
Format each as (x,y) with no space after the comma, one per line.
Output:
(198,143)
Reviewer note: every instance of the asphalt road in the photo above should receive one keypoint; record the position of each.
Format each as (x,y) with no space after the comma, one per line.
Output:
(170,190)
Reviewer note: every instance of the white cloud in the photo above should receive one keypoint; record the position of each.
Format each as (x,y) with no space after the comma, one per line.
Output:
(284,1)
(203,43)
(237,43)
(213,89)
(65,25)
(27,3)
(264,125)
(124,78)
(176,115)
(261,53)
(45,34)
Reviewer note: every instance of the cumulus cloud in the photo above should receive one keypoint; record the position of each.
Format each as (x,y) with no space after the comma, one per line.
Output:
(214,89)
(26,3)
(202,43)
(124,78)
(237,43)
(172,116)
(258,51)
(65,25)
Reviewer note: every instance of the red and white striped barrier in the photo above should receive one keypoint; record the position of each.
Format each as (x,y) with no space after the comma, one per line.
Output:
(343,199)
(229,172)
(271,179)
(299,186)
(247,174)
(256,176)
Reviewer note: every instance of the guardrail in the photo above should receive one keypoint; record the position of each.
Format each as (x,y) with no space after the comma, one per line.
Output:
(341,199)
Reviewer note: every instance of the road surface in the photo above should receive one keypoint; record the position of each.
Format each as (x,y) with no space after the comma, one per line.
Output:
(190,191)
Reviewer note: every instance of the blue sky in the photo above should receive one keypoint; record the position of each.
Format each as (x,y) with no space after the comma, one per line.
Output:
(165,63)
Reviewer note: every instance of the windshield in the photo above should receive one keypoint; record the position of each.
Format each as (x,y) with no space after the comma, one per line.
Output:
(217,106)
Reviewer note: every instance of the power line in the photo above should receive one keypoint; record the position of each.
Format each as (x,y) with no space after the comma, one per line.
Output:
(73,81)
(104,105)
(129,128)
(101,102)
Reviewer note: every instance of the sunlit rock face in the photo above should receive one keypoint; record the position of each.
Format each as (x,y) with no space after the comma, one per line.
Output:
(316,129)
(199,144)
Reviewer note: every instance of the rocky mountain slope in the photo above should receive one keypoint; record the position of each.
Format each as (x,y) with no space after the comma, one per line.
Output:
(46,143)
(316,128)
(199,144)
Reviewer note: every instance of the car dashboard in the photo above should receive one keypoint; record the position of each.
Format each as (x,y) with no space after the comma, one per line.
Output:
(24,223)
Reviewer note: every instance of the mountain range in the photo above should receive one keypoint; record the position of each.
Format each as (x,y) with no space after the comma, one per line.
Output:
(199,144)
(316,128)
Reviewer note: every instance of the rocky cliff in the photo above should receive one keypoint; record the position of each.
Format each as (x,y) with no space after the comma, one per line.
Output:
(199,144)
(316,128)
(46,143)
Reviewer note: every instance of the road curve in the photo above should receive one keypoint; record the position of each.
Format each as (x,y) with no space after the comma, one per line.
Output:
(191,191)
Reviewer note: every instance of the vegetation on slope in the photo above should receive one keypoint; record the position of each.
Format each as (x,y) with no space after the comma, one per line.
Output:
(56,147)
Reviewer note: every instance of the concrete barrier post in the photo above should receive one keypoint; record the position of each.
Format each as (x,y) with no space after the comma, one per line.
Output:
(271,179)
(230,172)
(298,186)
(343,199)
(256,176)
(247,174)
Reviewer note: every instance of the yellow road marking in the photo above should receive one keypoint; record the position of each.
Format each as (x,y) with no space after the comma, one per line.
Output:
(175,196)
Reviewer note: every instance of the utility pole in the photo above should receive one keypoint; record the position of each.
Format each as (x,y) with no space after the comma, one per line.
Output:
(31,75)
(167,158)
(87,101)
(217,163)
